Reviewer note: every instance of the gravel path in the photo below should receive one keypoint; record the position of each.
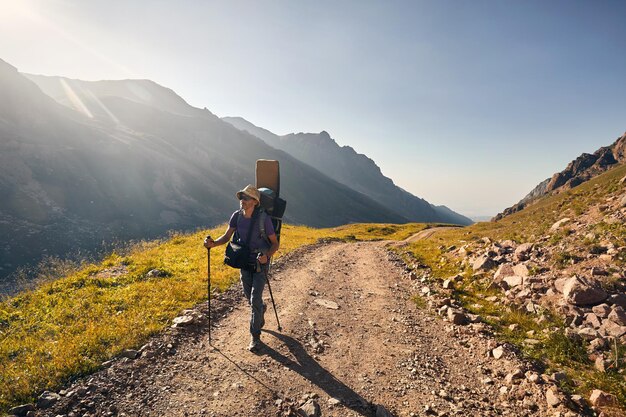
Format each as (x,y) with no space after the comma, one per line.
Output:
(376,353)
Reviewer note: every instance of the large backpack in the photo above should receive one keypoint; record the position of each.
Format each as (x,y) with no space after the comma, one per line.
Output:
(268,184)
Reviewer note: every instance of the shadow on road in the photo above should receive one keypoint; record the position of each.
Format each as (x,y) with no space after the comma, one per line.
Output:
(308,368)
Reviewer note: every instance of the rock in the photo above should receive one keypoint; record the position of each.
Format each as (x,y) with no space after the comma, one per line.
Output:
(130,354)
(382,411)
(553,398)
(498,352)
(596,271)
(521,270)
(512,376)
(513,281)
(600,398)
(582,293)
(334,401)
(593,320)
(556,226)
(503,270)
(457,317)
(310,409)
(182,321)
(47,399)
(483,263)
(618,299)
(597,344)
(612,329)
(327,303)
(600,364)
(618,316)
(156,273)
(21,410)
(588,333)
(602,310)
(522,252)
(448,285)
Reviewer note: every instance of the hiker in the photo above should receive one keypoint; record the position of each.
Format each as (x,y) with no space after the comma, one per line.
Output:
(261,250)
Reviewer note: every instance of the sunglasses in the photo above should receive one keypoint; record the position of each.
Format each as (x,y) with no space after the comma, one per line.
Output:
(245,197)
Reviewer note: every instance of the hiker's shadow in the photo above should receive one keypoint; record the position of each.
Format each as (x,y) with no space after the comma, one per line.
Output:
(308,368)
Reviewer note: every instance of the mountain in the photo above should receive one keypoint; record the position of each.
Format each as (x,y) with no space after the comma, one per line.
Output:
(580,170)
(97,162)
(355,170)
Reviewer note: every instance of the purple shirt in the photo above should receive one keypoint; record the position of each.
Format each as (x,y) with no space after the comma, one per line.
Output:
(241,224)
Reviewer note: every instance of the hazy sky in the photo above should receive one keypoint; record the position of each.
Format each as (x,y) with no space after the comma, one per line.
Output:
(464,103)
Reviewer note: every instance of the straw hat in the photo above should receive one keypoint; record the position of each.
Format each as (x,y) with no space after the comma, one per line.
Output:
(250,191)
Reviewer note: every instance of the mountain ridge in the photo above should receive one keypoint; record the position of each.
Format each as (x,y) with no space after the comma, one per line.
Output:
(358,171)
(580,170)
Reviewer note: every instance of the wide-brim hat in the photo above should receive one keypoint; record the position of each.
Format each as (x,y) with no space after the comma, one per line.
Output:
(250,191)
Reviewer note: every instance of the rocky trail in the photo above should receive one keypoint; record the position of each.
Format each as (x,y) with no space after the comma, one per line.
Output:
(354,343)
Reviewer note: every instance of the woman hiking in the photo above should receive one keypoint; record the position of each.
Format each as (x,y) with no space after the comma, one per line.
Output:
(244,221)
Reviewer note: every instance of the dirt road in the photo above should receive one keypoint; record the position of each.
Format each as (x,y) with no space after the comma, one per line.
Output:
(377,350)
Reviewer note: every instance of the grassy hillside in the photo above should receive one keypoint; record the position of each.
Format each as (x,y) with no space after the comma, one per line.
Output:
(68,327)
(568,252)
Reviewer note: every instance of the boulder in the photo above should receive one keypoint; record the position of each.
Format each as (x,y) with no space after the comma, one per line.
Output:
(22,410)
(522,252)
(483,263)
(592,320)
(513,281)
(503,270)
(457,317)
(556,226)
(553,397)
(618,315)
(582,293)
(47,399)
(521,270)
(602,310)
(600,398)
(612,329)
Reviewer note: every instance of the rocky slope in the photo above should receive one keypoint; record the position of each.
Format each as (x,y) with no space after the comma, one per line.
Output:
(345,165)
(582,169)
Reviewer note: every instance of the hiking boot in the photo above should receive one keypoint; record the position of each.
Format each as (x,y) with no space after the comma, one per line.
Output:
(255,344)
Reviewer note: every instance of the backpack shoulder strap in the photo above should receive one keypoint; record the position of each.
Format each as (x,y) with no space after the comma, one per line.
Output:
(262,218)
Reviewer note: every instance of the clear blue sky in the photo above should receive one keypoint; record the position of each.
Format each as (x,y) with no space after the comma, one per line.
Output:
(466,103)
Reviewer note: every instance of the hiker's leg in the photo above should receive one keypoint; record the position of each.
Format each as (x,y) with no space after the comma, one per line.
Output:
(246,283)
(256,302)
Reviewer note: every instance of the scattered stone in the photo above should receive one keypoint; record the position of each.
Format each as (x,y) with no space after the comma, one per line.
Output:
(513,281)
(612,329)
(512,376)
(522,252)
(503,270)
(593,320)
(448,284)
(153,273)
(556,226)
(334,401)
(588,333)
(327,303)
(457,317)
(597,271)
(498,352)
(182,321)
(618,299)
(521,270)
(483,263)
(602,310)
(618,315)
(581,293)
(553,397)
(600,398)
(600,364)
(310,409)
(130,354)
(47,399)
(21,410)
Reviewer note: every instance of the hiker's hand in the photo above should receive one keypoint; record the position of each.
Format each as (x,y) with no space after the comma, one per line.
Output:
(209,243)
(263,259)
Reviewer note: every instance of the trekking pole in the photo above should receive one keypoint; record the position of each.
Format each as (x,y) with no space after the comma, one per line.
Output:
(208,267)
(269,287)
